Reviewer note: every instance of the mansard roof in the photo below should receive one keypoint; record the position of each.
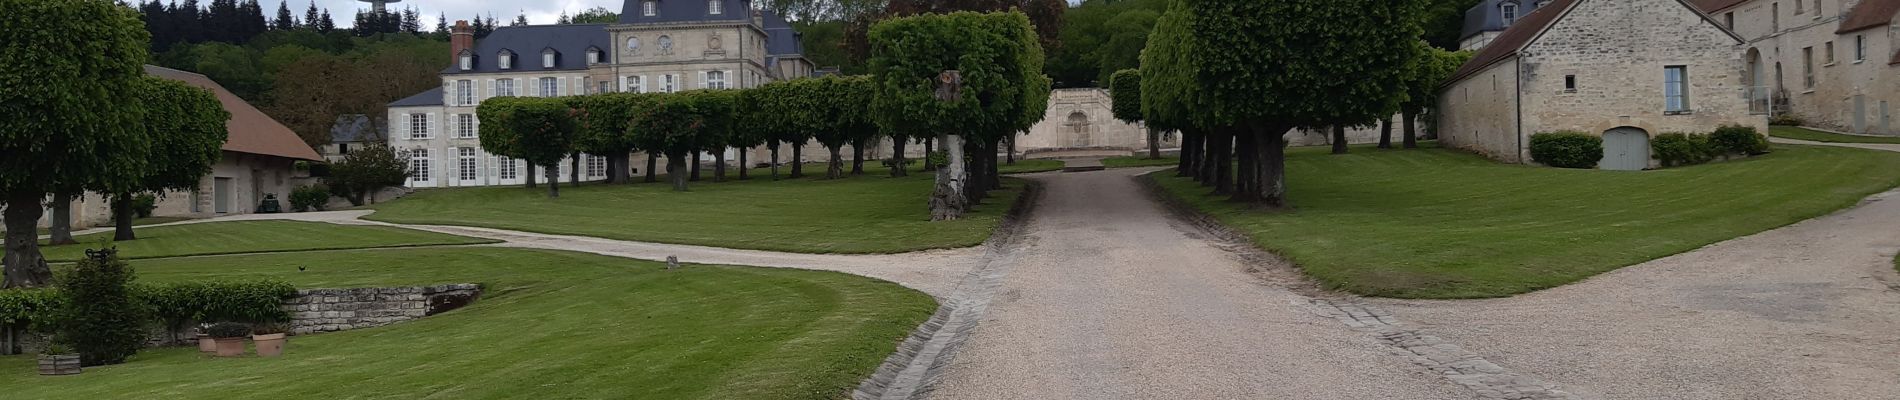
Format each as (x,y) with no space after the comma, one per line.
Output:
(565,39)
(631,11)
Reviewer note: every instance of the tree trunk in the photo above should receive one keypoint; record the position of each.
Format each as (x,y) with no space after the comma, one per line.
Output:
(930,149)
(1011,154)
(977,184)
(530,176)
(744,169)
(899,166)
(1154,144)
(1411,130)
(774,160)
(1385,133)
(574,170)
(622,164)
(1210,156)
(62,226)
(947,202)
(554,180)
(834,168)
(1246,185)
(1190,146)
(122,218)
(1270,148)
(798,160)
(719,166)
(1339,139)
(652,170)
(695,166)
(857,157)
(25,266)
(996,169)
(9,339)
(676,170)
(1224,162)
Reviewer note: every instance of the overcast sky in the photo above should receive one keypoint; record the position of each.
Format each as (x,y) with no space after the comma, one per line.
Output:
(539,11)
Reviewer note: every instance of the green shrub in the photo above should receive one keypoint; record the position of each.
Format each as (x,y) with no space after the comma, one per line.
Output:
(1786,119)
(252,301)
(1736,139)
(1567,149)
(228,330)
(20,308)
(100,316)
(1678,149)
(309,198)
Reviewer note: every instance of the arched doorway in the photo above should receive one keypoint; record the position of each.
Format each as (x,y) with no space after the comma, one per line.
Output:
(1625,149)
(1079,129)
(1758,94)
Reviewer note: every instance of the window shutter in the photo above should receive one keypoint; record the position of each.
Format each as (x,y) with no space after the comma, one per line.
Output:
(702,79)
(731,80)
(428,126)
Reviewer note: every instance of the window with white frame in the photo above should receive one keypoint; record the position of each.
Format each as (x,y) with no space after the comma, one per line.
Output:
(506,168)
(596,166)
(468,62)
(1676,89)
(650,8)
(465,166)
(506,60)
(713,7)
(504,87)
(419,165)
(1509,10)
(464,92)
(550,87)
(465,126)
(547,59)
(593,56)
(418,126)
(636,84)
(716,79)
(666,83)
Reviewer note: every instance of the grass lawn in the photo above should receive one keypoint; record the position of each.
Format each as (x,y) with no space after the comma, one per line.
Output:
(865,214)
(250,237)
(1030,166)
(1792,132)
(1437,223)
(552,325)
(135,222)
(1140,161)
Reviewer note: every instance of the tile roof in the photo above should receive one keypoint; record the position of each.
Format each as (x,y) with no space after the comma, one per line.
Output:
(250,130)
(431,97)
(1513,38)
(527,42)
(1869,14)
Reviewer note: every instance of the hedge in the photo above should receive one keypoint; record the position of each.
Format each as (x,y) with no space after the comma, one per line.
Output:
(1567,149)
(1736,139)
(1679,149)
(172,304)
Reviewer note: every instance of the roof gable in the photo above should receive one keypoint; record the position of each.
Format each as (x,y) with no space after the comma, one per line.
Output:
(1533,25)
(1869,14)
(250,130)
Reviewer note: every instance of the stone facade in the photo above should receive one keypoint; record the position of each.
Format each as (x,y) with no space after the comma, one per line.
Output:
(1084,119)
(331,310)
(236,185)
(1599,66)
(1797,58)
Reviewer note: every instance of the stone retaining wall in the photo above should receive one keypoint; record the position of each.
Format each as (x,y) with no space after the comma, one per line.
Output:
(330,310)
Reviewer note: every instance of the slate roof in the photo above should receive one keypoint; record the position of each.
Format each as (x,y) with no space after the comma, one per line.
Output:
(1869,14)
(431,97)
(354,128)
(527,42)
(780,38)
(250,131)
(1488,17)
(683,11)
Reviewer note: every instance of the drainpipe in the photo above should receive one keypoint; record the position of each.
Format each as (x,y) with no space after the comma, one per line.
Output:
(1517,97)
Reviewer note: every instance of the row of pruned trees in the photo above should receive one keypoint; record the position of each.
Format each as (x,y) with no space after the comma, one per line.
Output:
(86,118)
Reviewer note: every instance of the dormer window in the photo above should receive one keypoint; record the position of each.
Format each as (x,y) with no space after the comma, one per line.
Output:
(593,56)
(468,62)
(714,7)
(505,60)
(1510,13)
(650,8)
(547,58)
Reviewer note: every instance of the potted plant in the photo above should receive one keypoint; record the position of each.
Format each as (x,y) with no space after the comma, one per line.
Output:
(59,359)
(230,338)
(205,343)
(269,338)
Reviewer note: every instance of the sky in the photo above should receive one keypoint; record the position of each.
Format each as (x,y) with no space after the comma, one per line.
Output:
(540,12)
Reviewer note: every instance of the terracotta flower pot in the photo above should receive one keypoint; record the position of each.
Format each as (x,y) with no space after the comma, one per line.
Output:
(230,347)
(270,345)
(206,344)
(59,364)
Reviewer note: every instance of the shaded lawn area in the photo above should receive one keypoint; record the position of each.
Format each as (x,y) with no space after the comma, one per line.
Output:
(1030,166)
(135,222)
(250,237)
(552,324)
(865,214)
(1140,161)
(1799,133)
(1438,223)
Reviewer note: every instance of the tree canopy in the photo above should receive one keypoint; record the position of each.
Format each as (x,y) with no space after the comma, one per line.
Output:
(541,131)
(1125,95)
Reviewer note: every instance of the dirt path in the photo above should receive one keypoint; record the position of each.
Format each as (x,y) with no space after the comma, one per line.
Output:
(1109,297)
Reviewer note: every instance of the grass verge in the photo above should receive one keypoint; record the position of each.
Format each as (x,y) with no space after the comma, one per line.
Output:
(1140,161)
(1799,133)
(1437,223)
(1030,166)
(250,237)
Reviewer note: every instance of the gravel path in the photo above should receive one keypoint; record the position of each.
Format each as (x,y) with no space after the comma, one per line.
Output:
(1110,297)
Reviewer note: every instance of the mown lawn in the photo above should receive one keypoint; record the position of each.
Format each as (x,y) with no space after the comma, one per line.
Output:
(865,214)
(250,237)
(1140,161)
(1030,166)
(1792,132)
(1436,223)
(551,325)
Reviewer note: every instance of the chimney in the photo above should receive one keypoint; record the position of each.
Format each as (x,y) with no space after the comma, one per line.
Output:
(460,38)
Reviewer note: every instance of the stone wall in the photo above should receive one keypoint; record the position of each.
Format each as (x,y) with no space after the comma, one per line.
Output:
(330,310)
(1479,114)
(1777,61)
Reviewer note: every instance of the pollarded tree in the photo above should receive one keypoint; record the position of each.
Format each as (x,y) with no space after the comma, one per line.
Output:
(365,171)
(538,130)
(184,129)
(1169,91)
(1284,64)
(717,108)
(774,112)
(66,65)
(827,121)
(600,121)
(1125,93)
(671,123)
(857,93)
(983,100)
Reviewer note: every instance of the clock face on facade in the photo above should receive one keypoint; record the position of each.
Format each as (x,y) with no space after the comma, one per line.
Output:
(633,44)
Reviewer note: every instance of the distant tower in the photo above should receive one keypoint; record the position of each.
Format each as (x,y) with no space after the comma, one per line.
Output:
(379,6)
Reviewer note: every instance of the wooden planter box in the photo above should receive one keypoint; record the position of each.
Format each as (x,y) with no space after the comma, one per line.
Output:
(59,364)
